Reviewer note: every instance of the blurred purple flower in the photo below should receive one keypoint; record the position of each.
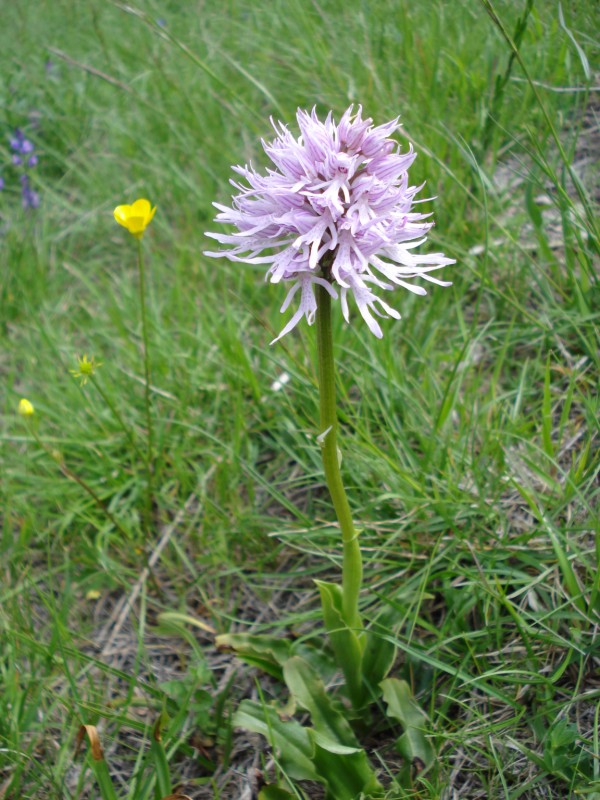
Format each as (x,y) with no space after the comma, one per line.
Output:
(15,142)
(19,144)
(1,183)
(17,160)
(32,161)
(29,198)
(335,211)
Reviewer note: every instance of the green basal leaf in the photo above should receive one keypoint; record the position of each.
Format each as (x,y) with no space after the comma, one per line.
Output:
(318,655)
(273,792)
(328,753)
(346,644)
(378,657)
(290,740)
(348,777)
(268,653)
(333,746)
(308,690)
(337,755)
(414,744)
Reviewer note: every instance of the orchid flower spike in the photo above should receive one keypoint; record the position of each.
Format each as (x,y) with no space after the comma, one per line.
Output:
(335,210)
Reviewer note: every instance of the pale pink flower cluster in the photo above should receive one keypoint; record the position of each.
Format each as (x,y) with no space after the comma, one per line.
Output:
(336,210)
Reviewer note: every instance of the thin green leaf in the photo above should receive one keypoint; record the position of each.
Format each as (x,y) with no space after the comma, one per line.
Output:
(582,56)
(96,761)
(159,758)
(547,423)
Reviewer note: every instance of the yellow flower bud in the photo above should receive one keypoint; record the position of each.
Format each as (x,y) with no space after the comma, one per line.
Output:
(26,408)
(136,217)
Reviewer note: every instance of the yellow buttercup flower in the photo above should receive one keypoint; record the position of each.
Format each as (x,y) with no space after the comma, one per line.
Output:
(136,217)
(26,408)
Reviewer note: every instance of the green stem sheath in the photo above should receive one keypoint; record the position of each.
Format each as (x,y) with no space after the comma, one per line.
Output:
(149,457)
(352,559)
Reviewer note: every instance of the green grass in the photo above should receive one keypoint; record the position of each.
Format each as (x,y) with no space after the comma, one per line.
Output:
(470,432)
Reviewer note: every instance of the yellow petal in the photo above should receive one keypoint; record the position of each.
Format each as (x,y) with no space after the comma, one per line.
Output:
(141,208)
(121,213)
(136,224)
(136,216)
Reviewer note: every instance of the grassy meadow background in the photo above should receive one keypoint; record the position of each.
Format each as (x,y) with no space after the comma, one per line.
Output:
(470,432)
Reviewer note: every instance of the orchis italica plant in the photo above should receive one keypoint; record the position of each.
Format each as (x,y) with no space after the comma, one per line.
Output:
(334,218)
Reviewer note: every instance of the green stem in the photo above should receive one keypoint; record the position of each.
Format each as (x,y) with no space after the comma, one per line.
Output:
(149,457)
(117,416)
(58,460)
(352,559)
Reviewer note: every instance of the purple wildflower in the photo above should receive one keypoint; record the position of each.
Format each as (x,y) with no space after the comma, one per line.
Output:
(335,211)
(19,144)
(1,183)
(29,197)
(15,142)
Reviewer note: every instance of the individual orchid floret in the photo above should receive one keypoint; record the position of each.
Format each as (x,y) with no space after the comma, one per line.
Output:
(337,211)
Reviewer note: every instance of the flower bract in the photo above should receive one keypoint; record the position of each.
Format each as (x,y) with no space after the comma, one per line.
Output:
(135,217)
(336,210)
(25,408)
